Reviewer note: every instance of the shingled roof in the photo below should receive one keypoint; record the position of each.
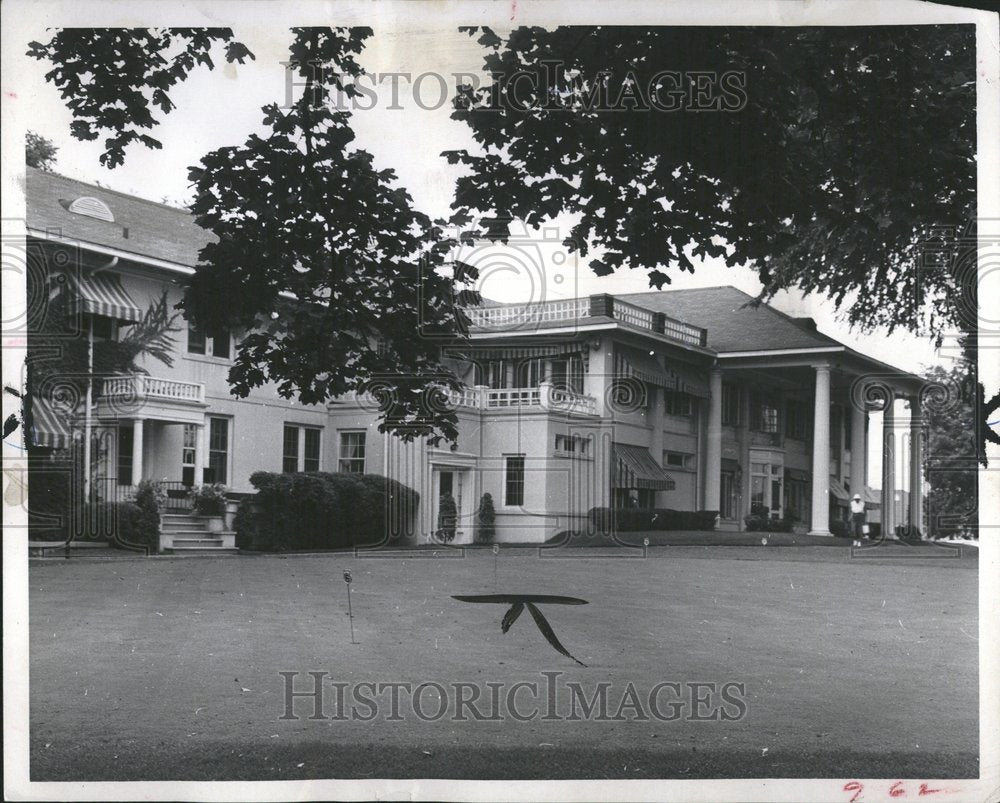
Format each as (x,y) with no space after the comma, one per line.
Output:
(733,323)
(144,228)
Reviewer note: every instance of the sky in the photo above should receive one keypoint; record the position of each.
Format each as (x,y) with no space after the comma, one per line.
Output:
(222,107)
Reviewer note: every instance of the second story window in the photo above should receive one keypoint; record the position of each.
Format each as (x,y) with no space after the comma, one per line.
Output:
(676,403)
(567,373)
(797,420)
(731,408)
(216,345)
(764,414)
(352,453)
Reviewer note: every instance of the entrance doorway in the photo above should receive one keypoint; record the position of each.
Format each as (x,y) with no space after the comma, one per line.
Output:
(452,481)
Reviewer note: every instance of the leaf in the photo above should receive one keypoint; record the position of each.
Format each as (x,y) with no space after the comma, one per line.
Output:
(550,636)
(511,616)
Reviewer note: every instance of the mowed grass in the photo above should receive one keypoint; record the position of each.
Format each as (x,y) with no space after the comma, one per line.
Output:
(169,669)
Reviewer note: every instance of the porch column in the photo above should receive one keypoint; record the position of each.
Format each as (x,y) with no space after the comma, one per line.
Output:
(916,466)
(821,454)
(136,451)
(713,446)
(889,467)
(859,454)
(200,455)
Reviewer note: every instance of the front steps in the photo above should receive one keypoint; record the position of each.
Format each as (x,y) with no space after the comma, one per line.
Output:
(188,534)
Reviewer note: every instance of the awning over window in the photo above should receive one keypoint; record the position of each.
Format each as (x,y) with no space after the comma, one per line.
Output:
(797,474)
(687,380)
(103,294)
(515,352)
(839,491)
(872,498)
(644,367)
(636,468)
(50,429)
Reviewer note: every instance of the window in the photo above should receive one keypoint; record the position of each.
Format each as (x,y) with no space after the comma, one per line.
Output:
(492,373)
(573,444)
(635,498)
(530,373)
(729,500)
(218,450)
(352,452)
(103,328)
(514,481)
(126,435)
(731,415)
(676,403)
(290,450)
(677,459)
(210,345)
(797,420)
(300,449)
(567,374)
(797,498)
(766,489)
(189,453)
(764,411)
(848,428)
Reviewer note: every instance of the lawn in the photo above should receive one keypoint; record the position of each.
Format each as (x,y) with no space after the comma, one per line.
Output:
(156,669)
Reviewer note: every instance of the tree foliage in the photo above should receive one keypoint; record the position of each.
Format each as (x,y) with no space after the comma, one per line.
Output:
(854,145)
(39,152)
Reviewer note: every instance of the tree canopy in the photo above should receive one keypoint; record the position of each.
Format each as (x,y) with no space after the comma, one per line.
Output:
(39,152)
(840,154)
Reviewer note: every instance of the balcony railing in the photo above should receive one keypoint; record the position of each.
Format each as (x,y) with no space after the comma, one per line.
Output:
(543,397)
(522,316)
(141,386)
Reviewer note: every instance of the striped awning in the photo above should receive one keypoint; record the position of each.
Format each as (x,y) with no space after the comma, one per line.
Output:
(50,430)
(644,367)
(103,294)
(872,498)
(636,468)
(515,352)
(839,491)
(687,380)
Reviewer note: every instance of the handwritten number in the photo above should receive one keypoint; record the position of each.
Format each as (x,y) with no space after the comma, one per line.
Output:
(897,790)
(856,787)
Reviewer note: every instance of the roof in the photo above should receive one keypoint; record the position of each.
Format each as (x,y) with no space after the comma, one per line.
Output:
(732,324)
(153,230)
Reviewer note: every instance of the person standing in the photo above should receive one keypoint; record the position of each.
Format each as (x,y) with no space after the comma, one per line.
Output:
(858,519)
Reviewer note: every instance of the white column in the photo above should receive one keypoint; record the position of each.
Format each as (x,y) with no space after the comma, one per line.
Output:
(821,454)
(136,451)
(713,446)
(916,466)
(859,454)
(889,468)
(200,455)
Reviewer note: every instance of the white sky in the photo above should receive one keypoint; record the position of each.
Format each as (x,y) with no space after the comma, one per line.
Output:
(221,108)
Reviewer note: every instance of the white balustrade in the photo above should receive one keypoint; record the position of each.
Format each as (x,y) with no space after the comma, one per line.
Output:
(151,387)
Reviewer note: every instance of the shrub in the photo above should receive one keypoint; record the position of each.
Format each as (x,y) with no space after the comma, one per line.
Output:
(765,524)
(605,519)
(209,500)
(137,523)
(841,529)
(321,510)
(447,518)
(486,520)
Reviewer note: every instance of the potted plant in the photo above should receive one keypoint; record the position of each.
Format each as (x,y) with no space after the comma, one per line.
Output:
(447,519)
(486,531)
(210,501)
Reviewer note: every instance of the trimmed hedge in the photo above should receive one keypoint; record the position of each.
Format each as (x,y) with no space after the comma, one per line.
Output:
(322,510)
(765,524)
(624,520)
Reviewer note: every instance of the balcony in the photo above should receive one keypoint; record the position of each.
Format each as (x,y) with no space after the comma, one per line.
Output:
(480,397)
(138,396)
(526,316)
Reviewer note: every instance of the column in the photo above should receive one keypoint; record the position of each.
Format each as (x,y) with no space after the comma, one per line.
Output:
(889,468)
(821,454)
(136,451)
(916,466)
(859,454)
(200,455)
(713,446)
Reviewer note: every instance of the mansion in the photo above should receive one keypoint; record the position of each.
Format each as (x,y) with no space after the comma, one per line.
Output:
(688,399)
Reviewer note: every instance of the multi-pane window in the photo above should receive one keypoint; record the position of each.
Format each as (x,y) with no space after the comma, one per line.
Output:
(352,452)
(126,434)
(797,420)
(676,403)
(573,444)
(216,345)
(530,373)
(765,414)
(731,405)
(729,500)
(218,449)
(677,459)
(300,449)
(567,373)
(514,480)
(492,373)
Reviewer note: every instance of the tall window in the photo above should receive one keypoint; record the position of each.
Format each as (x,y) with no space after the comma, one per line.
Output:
(797,420)
(530,373)
(676,403)
(731,405)
(352,452)
(492,373)
(567,374)
(216,345)
(218,449)
(300,449)
(765,414)
(125,439)
(729,497)
(514,480)
(189,452)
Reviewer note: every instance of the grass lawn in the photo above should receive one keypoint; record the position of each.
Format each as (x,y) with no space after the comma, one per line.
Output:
(168,669)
